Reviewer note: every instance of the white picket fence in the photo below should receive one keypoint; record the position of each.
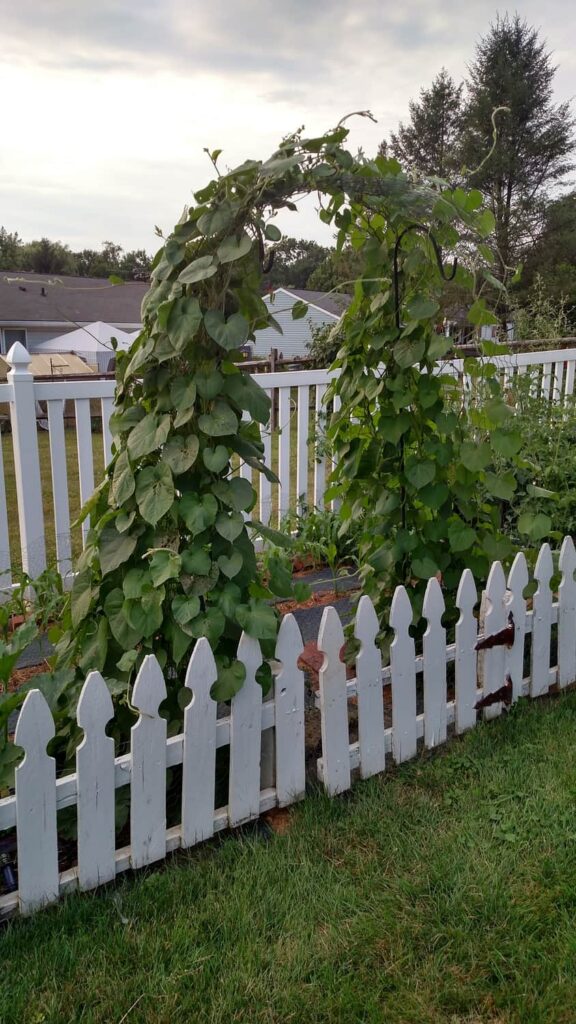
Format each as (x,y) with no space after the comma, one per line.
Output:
(266,737)
(292,452)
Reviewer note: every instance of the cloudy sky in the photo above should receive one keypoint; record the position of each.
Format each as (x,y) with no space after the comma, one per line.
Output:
(107,104)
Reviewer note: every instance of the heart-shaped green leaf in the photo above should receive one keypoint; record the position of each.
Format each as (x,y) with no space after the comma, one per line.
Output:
(180,452)
(184,609)
(183,321)
(183,396)
(198,270)
(230,525)
(215,459)
(154,492)
(221,420)
(115,548)
(196,562)
(148,435)
(123,482)
(233,248)
(247,394)
(258,620)
(229,334)
(164,565)
(230,565)
(198,513)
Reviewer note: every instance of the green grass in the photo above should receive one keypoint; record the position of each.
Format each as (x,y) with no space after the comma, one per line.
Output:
(46,480)
(445,892)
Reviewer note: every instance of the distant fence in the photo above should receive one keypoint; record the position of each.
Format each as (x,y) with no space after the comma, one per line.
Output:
(35,504)
(382,712)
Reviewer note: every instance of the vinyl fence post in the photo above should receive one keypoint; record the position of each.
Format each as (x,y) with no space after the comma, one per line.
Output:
(26,461)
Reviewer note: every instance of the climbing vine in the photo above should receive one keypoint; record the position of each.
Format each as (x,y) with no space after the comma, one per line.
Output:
(170,553)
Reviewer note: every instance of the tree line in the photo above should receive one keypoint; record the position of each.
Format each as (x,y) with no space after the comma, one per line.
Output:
(44,256)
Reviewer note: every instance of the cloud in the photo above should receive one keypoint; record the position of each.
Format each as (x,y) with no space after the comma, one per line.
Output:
(108,104)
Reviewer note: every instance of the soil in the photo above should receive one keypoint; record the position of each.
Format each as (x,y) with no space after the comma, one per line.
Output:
(321,597)
(22,675)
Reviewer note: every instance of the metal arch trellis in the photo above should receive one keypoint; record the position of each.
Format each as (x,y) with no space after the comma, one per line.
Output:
(439,260)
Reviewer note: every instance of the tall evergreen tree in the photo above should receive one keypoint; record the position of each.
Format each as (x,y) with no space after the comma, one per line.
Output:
(429,143)
(534,141)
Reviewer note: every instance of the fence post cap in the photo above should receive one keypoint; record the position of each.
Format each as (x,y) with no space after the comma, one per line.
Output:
(19,358)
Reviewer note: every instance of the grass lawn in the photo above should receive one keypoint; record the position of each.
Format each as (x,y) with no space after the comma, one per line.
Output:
(46,479)
(445,892)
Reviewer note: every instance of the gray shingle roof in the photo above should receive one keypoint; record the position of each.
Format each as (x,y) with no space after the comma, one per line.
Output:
(334,303)
(26,297)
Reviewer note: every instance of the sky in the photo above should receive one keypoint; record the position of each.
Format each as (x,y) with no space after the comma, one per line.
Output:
(107,105)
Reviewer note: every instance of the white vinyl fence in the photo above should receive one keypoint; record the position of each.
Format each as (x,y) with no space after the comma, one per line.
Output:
(66,412)
(385,712)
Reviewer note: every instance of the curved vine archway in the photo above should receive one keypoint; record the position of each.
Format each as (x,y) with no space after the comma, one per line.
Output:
(169,557)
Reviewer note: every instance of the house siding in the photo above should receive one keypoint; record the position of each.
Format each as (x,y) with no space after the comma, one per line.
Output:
(297,334)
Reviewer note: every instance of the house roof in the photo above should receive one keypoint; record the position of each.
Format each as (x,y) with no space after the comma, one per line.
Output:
(333,303)
(52,298)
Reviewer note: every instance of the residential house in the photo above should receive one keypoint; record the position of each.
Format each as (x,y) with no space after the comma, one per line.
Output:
(297,334)
(35,308)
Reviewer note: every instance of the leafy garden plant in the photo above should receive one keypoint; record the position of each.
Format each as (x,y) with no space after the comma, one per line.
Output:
(170,553)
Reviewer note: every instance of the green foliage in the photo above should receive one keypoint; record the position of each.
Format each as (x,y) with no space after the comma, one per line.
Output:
(293,261)
(33,607)
(540,315)
(543,506)
(414,462)
(429,143)
(44,256)
(323,348)
(169,557)
(535,139)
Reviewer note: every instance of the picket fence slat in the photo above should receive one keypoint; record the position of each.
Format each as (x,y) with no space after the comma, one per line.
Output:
(106,408)
(95,772)
(493,618)
(60,485)
(5,559)
(199,753)
(334,705)
(515,603)
(402,665)
(434,658)
(289,715)
(370,691)
(245,737)
(302,449)
(37,839)
(465,655)
(85,455)
(319,459)
(284,418)
(148,779)
(265,485)
(567,614)
(542,624)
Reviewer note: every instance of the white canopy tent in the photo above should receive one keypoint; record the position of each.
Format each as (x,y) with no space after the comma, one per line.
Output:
(92,343)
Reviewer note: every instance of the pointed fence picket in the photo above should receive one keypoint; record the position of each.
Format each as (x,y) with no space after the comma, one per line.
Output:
(540,677)
(434,661)
(266,738)
(465,670)
(493,618)
(515,603)
(567,614)
(95,771)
